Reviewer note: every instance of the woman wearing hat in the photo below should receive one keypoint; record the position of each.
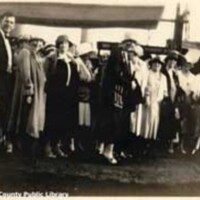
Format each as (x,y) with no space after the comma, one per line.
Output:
(112,124)
(155,92)
(185,103)
(86,76)
(28,107)
(124,94)
(135,71)
(62,97)
(139,70)
(169,125)
(13,129)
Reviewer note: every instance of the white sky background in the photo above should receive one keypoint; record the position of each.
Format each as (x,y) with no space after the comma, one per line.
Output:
(158,36)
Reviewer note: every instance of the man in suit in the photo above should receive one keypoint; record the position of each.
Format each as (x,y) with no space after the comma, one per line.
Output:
(7,24)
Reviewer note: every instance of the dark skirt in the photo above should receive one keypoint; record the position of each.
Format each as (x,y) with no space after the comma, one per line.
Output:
(61,117)
(168,125)
(112,125)
(121,123)
(103,128)
(188,121)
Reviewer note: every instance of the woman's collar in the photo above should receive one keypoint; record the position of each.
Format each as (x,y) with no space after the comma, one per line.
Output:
(64,57)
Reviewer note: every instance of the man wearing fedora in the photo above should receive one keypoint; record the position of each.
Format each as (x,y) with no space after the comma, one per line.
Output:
(7,24)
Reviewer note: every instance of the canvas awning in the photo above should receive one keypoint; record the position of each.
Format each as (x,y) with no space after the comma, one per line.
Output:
(84,15)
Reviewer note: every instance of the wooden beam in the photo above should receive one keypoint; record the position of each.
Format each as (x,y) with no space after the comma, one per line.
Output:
(82,15)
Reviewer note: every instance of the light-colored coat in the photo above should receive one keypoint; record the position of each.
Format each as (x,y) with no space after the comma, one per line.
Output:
(30,81)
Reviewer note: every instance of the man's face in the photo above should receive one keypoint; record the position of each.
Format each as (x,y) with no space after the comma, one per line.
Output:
(8,24)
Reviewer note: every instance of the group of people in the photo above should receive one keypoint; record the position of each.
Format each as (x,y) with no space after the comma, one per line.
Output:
(54,99)
(153,104)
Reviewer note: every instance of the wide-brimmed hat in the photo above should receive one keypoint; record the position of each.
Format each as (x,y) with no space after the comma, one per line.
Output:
(139,50)
(63,38)
(32,39)
(155,60)
(128,37)
(47,49)
(85,48)
(24,38)
(185,63)
(173,55)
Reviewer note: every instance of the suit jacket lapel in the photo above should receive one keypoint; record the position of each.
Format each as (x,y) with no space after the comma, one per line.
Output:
(3,52)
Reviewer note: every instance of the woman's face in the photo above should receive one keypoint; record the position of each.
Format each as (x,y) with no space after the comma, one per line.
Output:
(156,66)
(171,64)
(132,56)
(63,47)
(36,45)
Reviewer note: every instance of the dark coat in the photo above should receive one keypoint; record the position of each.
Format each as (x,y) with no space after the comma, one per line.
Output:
(62,100)
(5,84)
(118,73)
(117,80)
(3,55)
(169,125)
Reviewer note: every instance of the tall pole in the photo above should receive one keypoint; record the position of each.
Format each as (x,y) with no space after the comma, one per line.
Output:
(178,30)
(179,25)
